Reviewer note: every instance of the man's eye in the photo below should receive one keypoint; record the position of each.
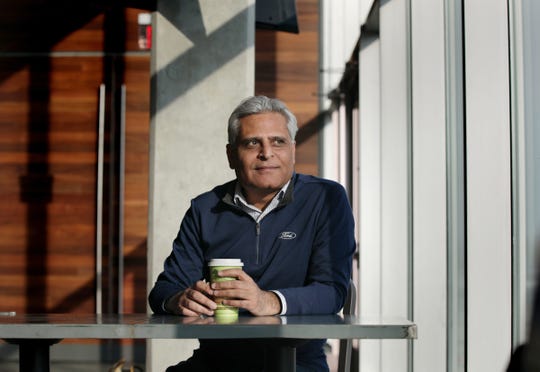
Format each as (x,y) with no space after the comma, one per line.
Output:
(279,142)
(251,143)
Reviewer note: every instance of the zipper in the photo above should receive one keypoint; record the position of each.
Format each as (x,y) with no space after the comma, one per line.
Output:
(257,239)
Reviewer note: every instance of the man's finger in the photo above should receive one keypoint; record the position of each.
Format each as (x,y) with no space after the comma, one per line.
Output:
(193,301)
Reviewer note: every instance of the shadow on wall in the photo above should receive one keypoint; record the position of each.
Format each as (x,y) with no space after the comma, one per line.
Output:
(204,54)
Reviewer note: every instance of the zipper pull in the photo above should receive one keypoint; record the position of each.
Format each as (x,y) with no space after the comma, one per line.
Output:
(257,239)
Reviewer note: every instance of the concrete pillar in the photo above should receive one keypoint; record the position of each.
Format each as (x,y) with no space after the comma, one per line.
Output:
(202,66)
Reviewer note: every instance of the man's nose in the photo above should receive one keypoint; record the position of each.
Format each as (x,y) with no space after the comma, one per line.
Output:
(266,150)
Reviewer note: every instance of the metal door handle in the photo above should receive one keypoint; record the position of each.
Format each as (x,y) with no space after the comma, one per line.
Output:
(99,201)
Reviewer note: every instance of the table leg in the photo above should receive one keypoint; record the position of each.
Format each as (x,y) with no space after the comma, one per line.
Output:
(280,358)
(34,354)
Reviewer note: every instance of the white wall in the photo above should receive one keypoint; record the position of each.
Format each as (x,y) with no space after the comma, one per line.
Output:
(489,239)
(429,184)
(435,184)
(525,92)
(395,172)
(369,216)
(339,28)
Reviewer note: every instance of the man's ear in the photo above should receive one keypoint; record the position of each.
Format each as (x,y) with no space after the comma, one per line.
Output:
(231,156)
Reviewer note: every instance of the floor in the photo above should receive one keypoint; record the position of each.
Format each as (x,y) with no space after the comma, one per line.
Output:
(60,367)
(11,366)
(86,367)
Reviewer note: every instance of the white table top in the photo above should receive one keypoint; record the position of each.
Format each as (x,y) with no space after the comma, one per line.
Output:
(143,326)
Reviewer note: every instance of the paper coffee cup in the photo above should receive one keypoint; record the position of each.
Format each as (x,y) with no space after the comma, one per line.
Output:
(215,265)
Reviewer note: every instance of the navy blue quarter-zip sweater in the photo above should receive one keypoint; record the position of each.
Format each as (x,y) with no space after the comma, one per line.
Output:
(303,248)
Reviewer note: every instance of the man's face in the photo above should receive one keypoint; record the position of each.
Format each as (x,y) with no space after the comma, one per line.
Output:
(263,157)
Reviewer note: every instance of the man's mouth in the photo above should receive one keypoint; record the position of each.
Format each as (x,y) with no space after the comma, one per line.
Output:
(267,167)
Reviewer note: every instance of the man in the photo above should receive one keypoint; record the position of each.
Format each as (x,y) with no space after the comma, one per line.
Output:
(294,234)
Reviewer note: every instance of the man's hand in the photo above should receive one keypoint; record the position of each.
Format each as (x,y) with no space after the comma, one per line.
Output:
(245,293)
(193,301)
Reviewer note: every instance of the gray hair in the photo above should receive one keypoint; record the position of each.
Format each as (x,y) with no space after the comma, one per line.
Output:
(257,105)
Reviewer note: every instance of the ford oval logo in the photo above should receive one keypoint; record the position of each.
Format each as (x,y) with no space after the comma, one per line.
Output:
(287,235)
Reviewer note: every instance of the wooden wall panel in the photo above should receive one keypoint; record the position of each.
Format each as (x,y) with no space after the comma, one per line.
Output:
(32,26)
(287,68)
(48,152)
(137,81)
(48,164)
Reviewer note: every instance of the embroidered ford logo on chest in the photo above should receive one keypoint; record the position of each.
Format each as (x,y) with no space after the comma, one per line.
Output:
(287,235)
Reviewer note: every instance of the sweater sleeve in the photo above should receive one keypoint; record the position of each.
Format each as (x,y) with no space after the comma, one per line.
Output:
(183,267)
(330,262)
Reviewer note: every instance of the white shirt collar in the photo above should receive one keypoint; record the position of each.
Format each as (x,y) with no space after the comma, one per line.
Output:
(256,213)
